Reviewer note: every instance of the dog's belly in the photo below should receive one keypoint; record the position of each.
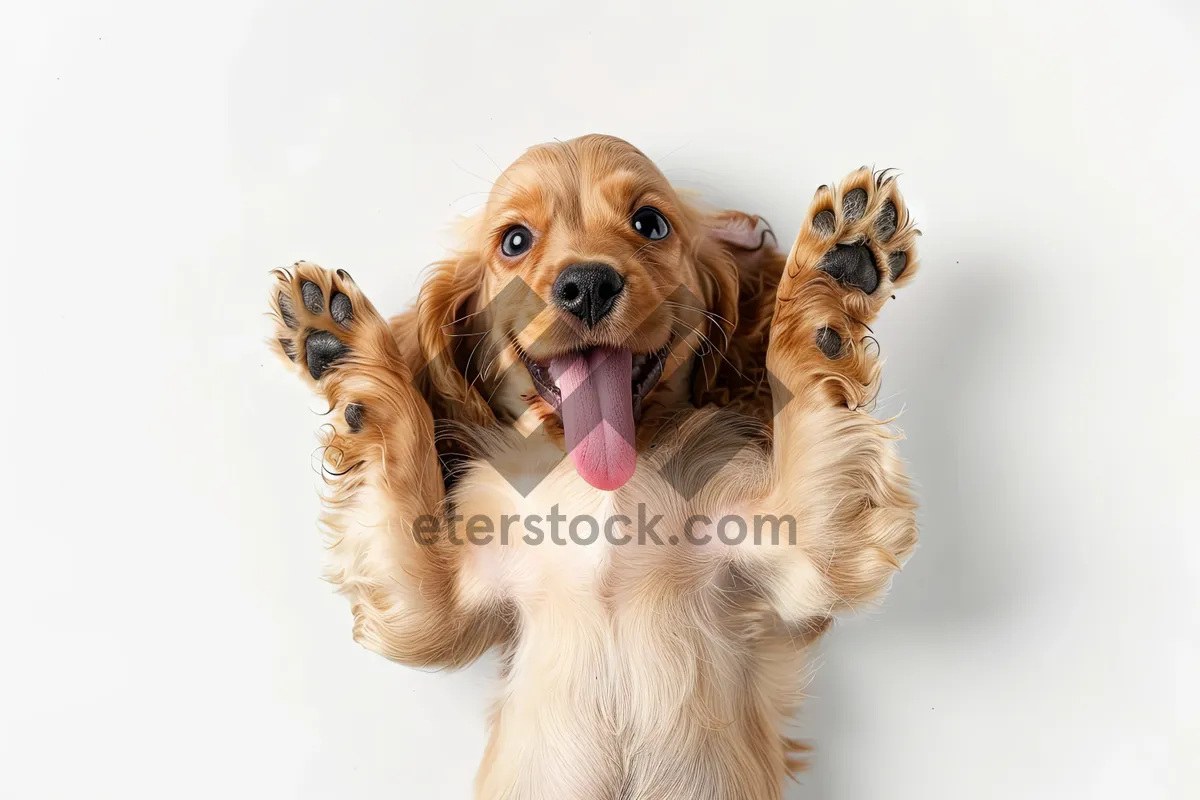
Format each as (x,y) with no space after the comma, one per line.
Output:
(640,661)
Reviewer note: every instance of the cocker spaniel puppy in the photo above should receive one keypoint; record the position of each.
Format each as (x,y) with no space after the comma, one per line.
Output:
(623,441)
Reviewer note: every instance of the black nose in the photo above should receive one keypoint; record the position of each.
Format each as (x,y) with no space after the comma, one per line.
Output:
(588,291)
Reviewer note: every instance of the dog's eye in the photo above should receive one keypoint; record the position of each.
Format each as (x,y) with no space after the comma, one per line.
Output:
(517,240)
(650,223)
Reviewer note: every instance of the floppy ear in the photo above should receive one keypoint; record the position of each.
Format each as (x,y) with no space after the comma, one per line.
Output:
(717,273)
(448,299)
(739,248)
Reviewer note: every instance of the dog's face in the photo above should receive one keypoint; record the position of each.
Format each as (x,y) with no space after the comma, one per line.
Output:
(587,293)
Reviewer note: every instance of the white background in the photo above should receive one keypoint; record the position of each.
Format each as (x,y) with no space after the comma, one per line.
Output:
(164,630)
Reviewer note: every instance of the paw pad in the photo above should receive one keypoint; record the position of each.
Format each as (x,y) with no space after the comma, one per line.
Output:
(340,310)
(314,301)
(824,223)
(885,223)
(854,205)
(321,350)
(354,417)
(289,348)
(852,265)
(830,342)
(287,310)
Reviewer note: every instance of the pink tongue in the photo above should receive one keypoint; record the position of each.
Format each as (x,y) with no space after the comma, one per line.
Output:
(597,414)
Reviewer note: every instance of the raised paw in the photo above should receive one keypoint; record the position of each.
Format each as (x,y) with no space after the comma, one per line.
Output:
(326,327)
(857,244)
(860,234)
(316,311)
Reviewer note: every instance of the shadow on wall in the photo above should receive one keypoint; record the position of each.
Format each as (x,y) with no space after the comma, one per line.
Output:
(965,571)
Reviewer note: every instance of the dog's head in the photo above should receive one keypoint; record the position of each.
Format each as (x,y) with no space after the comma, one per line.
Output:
(589,298)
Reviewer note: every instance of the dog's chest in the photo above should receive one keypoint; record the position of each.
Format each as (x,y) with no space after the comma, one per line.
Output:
(534,533)
(627,633)
(565,540)
(556,541)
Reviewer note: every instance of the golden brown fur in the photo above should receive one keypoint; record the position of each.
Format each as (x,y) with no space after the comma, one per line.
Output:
(646,670)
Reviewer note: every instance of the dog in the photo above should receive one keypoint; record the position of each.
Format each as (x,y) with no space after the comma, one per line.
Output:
(688,402)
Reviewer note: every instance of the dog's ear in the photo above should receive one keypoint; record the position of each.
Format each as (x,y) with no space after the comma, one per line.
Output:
(717,273)
(446,308)
(746,253)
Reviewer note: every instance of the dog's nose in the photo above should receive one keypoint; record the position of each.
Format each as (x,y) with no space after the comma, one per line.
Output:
(588,291)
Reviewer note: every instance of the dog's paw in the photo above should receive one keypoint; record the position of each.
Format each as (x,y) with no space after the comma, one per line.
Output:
(860,234)
(331,334)
(857,244)
(315,314)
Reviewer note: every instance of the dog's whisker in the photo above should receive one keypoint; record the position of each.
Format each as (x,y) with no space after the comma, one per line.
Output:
(499,169)
(712,317)
(658,161)
(493,184)
(467,367)
(706,312)
(716,350)
(463,318)
(469,194)
(482,374)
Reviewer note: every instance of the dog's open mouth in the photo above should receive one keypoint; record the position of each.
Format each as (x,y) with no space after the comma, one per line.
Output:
(645,372)
(598,394)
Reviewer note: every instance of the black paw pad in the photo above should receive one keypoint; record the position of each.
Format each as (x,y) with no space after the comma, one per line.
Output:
(852,265)
(854,204)
(897,263)
(314,300)
(823,223)
(322,349)
(287,310)
(885,223)
(354,417)
(340,310)
(830,342)
(289,348)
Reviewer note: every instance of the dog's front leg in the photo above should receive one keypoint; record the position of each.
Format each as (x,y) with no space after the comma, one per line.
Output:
(835,471)
(384,504)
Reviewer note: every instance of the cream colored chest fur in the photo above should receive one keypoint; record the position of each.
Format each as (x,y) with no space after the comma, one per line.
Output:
(631,640)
